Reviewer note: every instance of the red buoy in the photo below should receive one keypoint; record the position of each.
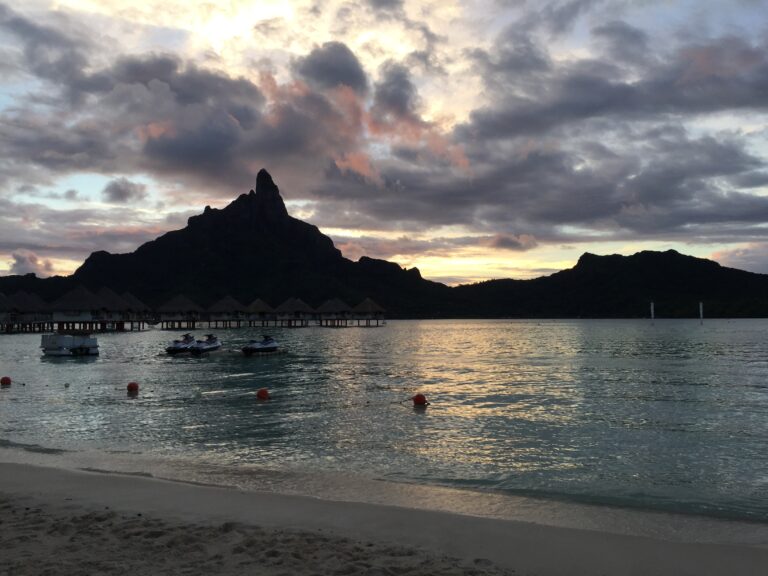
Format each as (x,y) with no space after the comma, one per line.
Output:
(5,381)
(133,388)
(420,400)
(262,394)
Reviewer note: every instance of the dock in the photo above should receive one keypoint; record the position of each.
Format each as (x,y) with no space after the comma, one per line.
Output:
(106,311)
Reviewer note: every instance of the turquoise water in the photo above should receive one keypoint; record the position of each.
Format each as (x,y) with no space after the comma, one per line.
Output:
(671,416)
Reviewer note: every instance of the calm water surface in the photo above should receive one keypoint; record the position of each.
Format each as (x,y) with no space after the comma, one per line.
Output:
(671,416)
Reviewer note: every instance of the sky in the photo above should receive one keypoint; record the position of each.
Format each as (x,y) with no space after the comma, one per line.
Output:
(472,139)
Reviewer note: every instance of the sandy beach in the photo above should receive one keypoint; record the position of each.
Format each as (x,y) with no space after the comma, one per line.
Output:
(55,521)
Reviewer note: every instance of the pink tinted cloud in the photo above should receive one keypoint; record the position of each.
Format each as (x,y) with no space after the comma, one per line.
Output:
(26,262)
(752,257)
(360,163)
(725,60)
(413,131)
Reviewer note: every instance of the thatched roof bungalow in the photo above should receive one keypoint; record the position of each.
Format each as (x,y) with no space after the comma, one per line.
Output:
(134,304)
(259,309)
(179,307)
(368,310)
(27,303)
(225,309)
(294,308)
(77,305)
(113,305)
(334,306)
(5,307)
(294,312)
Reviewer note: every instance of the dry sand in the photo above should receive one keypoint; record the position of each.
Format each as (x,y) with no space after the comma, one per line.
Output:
(64,522)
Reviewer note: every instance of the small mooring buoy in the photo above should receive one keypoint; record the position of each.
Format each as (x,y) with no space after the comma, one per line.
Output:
(262,394)
(420,400)
(133,388)
(5,381)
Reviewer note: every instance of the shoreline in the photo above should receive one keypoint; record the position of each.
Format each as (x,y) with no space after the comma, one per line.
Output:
(459,540)
(353,488)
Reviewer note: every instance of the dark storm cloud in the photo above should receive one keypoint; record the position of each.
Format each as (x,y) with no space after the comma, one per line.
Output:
(557,16)
(756,179)
(752,257)
(53,143)
(709,76)
(58,53)
(122,190)
(385,4)
(395,94)
(30,228)
(387,248)
(514,243)
(332,65)
(622,41)
(193,124)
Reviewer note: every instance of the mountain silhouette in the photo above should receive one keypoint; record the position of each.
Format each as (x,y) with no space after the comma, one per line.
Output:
(624,286)
(253,248)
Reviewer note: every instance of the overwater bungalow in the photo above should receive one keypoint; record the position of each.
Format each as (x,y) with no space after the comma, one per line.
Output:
(179,313)
(260,313)
(294,313)
(5,309)
(113,307)
(334,313)
(136,308)
(118,311)
(78,309)
(226,313)
(24,312)
(368,313)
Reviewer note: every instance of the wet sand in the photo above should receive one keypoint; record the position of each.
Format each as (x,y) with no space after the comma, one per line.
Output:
(55,521)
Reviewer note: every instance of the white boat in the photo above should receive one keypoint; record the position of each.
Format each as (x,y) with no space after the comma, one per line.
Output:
(181,346)
(69,345)
(210,344)
(266,345)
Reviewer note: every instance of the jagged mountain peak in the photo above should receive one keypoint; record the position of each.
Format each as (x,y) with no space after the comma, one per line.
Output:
(264,202)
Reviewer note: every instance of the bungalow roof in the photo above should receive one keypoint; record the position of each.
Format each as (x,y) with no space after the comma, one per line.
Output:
(179,303)
(293,305)
(227,304)
(259,306)
(334,306)
(79,298)
(112,301)
(135,304)
(368,306)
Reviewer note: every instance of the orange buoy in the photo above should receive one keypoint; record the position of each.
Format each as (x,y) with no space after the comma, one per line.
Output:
(420,400)
(262,394)
(5,381)
(133,388)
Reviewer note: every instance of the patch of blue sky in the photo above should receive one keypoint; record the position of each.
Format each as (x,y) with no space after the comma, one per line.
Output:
(14,91)
(707,18)
(87,188)
(163,38)
(749,127)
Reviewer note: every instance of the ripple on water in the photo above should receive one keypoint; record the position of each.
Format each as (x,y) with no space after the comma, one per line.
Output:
(671,416)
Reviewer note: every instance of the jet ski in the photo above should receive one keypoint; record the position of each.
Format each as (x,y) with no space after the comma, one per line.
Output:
(182,345)
(210,344)
(263,346)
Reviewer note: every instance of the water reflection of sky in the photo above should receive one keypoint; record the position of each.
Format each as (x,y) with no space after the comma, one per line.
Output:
(607,410)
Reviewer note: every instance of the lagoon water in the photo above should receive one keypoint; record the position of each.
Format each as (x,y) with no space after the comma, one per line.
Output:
(670,416)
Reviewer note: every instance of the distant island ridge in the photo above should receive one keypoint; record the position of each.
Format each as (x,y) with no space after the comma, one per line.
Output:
(253,249)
